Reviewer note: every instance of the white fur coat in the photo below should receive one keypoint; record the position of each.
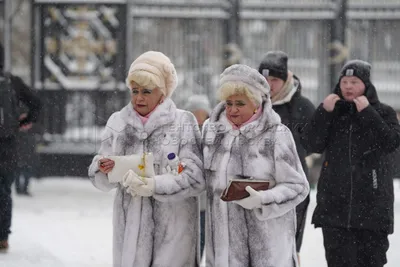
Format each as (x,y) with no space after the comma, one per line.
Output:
(158,231)
(263,149)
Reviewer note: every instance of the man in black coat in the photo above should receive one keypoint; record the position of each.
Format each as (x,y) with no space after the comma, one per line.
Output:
(295,111)
(8,149)
(355,189)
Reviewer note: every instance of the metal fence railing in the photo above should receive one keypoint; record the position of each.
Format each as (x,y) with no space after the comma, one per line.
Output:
(196,36)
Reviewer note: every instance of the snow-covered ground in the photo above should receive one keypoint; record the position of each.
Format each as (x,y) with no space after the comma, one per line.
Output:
(68,224)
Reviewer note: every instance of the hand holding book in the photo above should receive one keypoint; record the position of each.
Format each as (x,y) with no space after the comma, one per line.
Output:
(236,189)
(251,202)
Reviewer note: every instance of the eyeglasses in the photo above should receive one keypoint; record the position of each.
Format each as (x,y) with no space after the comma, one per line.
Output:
(143,91)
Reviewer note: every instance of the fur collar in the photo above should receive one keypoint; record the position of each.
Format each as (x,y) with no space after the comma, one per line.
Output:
(164,114)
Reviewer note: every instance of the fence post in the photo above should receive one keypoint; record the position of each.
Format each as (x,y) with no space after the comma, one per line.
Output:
(232,52)
(338,50)
(324,82)
(129,37)
(7,10)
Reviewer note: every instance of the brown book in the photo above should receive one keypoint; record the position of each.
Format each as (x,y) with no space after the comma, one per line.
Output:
(236,188)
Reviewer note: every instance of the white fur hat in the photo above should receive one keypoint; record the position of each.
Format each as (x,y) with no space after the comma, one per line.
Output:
(159,65)
(249,77)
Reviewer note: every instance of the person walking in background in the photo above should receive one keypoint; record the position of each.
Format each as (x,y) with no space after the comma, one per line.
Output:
(245,138)
(155,221)
(355,190)
(295,111)
(26,159)
(200,106)
(12,91)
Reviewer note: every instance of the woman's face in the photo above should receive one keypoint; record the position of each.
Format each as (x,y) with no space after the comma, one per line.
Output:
(145,100)
(239,109)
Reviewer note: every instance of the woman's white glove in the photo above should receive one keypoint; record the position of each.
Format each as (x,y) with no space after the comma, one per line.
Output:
(251,202)
(138,185)
(170,171)
(130,191)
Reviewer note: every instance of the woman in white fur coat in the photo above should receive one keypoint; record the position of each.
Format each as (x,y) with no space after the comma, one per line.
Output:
(155,223)
(244,137)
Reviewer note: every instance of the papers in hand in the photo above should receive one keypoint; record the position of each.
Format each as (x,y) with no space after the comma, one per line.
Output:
(236,188)
(142,165)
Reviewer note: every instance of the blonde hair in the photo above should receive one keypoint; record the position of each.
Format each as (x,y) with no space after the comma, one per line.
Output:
(236,88)
(145,79)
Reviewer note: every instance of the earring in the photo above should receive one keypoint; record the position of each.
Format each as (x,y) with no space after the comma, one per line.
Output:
(255,111)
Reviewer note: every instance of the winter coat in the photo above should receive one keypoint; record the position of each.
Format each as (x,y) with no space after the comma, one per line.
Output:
(158,231)
(26,149)
(26,144)
(28,97)
(295,113)
(262,149)
(24,95)
(355,188)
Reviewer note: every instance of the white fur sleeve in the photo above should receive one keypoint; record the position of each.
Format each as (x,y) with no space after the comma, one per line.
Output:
(291,184)
(99,179)
(190,182)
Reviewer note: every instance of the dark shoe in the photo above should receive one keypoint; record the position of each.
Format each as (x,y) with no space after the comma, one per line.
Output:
(3,245)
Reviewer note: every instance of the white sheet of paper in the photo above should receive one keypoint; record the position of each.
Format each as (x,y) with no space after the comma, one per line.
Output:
(131,162)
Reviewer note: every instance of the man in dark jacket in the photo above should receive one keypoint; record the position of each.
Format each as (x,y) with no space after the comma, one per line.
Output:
(295,111)
(355,189)
(8,153)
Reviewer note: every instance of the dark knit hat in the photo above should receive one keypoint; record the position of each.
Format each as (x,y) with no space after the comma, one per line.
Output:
(274,64)
(358,68)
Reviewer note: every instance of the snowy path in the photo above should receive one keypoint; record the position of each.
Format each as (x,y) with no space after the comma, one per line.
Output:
(68,224)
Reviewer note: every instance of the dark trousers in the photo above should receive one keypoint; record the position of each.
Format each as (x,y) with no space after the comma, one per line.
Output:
(355,247)
(22,177)
(7,169)
(6,180)
(301,216)
(202,231)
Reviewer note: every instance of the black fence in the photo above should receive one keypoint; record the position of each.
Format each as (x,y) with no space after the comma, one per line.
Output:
(82,51)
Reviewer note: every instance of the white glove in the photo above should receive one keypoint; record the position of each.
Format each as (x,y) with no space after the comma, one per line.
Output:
(147,189)
(251,202)
(138,185)
(131,179)
(170,171)
(130,191)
